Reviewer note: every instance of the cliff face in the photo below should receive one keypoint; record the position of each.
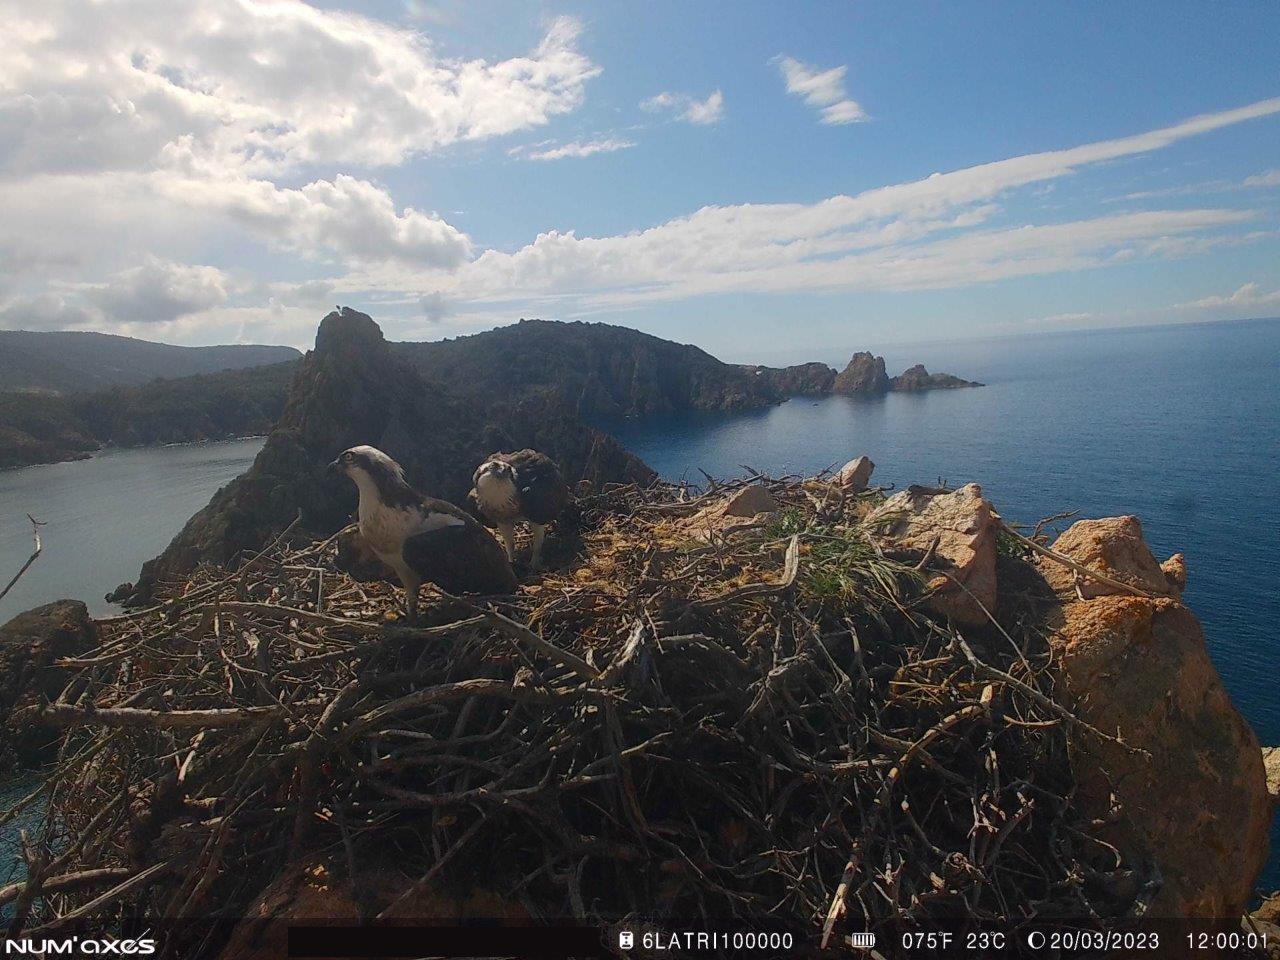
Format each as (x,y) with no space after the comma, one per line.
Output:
(349,390)
(800,380)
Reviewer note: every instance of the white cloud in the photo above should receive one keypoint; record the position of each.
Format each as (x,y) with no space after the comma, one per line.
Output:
(1249,296)
(574,148)
(1269,178)
(929,233)
(158,291)
(687,108)
(46,311)
(823,89)
(154,292)
(261,85)
(127,128)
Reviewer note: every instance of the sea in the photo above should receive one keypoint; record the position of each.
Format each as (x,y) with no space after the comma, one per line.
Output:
(1178,425)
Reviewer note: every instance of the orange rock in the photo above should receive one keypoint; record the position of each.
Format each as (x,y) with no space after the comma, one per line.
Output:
(1113,546)
(1197,804)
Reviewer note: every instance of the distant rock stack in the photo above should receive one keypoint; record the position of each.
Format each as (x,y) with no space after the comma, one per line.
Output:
(350,390)
(864,376)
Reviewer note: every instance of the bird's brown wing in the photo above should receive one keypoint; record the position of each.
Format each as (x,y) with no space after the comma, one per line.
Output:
(542,490)
(460,558)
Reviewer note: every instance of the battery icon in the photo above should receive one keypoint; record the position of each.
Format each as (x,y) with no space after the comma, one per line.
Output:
(626,940)
(862,941)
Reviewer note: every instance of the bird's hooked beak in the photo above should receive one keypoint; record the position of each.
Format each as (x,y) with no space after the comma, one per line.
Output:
(334,469)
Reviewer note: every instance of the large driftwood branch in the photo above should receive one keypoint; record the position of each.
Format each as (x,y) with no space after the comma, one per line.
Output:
(68,882)
(35,536)
(66,715)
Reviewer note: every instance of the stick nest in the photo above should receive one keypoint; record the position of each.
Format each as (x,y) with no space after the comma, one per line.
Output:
(768,722)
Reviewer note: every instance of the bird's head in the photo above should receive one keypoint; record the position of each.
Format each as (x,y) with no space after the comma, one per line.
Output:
(367,463)
(495,468)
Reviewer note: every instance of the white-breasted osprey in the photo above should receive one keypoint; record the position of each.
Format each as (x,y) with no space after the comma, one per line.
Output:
(422,539)
(525,485)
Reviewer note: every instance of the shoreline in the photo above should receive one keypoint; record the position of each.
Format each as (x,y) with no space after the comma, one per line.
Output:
(113,447)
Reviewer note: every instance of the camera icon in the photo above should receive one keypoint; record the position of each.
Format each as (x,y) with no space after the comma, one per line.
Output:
(626,940)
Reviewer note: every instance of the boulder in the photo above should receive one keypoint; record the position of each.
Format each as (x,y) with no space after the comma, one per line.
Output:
(963,525)
(856,474)
(1271,763)
(29,645)
(1175,571)
(1191,790)
(744,506)
(750,501)
(1113,546)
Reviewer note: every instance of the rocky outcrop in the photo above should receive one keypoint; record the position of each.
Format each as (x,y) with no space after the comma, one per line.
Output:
(1271,763)
(864,376)
(1189,781)
(30,643)
(1113,546)
(349,390)
(918,378)
(855,475)
(956,527)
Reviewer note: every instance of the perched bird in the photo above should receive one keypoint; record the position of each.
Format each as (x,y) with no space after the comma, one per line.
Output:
(422,539)
(525,485)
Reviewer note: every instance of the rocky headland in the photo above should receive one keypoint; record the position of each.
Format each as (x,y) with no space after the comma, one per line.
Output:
(595,371)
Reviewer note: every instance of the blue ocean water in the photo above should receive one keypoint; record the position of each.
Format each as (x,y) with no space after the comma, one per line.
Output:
(1178,425)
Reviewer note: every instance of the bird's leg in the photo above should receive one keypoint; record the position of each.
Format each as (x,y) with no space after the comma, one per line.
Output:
(539,534)
(508,531)
(411,589)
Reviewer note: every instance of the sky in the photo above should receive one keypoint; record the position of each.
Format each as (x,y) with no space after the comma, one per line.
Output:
(759,179)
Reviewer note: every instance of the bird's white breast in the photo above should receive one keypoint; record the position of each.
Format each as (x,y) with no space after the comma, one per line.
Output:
(386,528)
(497,497)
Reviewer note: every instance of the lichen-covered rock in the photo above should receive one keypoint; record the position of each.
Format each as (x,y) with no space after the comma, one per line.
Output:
(962,574)
(1191,788)
(1113,546)
(855,475)
(29,645)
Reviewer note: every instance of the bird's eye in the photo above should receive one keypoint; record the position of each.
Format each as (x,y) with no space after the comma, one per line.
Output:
(348,456)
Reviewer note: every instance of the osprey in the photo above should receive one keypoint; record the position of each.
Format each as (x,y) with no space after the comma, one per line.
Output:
(422,539)
(525,485)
